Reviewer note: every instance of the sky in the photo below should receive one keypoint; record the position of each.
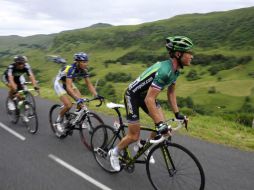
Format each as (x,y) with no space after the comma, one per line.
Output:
(30,17)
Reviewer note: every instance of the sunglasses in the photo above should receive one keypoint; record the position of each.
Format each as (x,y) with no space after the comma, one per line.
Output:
(20,63)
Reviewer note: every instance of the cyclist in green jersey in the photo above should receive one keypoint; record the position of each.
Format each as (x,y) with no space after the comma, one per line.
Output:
(144,90)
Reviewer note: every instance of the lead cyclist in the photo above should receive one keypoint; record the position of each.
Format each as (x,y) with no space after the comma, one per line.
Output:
(142,93)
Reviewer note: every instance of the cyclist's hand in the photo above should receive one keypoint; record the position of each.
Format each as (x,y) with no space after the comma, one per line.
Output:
(162,128)
(99,97)
(80,101)
(37,88)
(178,115)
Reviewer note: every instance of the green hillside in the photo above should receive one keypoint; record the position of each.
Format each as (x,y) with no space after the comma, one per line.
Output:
(219,84)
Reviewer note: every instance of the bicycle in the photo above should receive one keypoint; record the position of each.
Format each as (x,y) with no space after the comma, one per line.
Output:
(84,121)
(25,108)
(175,167)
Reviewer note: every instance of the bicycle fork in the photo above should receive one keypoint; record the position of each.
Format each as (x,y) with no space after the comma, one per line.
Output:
(168,160)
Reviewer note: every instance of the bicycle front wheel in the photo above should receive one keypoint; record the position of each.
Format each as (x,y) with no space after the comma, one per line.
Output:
(31,121)
(175,168)
(30,98)
(102,140)
(87,126)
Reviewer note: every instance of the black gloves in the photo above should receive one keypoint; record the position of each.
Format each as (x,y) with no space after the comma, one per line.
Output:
(178,115)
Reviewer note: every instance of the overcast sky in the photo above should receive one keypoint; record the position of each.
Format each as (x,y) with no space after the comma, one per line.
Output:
(29,17)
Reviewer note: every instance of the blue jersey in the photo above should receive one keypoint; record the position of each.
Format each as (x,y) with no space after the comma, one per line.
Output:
(72,72)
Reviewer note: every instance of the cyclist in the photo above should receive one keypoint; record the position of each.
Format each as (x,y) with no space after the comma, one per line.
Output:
(14,79)
(64,86)
(144,90)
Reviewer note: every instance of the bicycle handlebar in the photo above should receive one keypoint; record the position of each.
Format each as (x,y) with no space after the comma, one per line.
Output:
(92,99)
(180,123)
(28,90)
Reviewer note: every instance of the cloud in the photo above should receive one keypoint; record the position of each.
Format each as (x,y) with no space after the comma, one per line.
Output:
(27,17)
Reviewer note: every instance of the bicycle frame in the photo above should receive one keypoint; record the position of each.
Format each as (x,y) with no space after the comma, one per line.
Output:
(120,132)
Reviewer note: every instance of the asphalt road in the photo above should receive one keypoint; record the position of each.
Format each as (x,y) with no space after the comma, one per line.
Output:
(43,162)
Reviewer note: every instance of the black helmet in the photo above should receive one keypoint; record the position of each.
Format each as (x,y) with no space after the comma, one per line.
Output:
(20,59)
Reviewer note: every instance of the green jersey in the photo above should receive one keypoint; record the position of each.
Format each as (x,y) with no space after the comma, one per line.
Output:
(159,75)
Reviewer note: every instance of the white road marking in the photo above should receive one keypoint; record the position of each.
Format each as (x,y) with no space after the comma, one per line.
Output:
(12,132)
(78,172)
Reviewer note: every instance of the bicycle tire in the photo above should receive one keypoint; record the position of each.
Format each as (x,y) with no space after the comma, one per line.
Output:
(30,113)
(168,173)
(87,125)
(12,114)
(53,113)
(101,143)
(30,98)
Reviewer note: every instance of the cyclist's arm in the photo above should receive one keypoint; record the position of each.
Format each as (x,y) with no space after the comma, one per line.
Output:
(172,98)
(32,79)
(90,86)
(70,90)
(151,104)
(12,84)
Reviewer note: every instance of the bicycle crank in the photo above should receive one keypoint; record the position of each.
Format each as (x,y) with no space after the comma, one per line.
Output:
(129,168)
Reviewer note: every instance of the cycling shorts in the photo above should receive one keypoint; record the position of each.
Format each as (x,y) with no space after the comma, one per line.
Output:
(60,88)
(132,104)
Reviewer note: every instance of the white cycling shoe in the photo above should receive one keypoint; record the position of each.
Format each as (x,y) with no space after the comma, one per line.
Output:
(114,160)
(11,106)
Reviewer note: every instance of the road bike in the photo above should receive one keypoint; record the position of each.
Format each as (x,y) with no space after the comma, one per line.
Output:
(82,120)
(174,166)
(23,107)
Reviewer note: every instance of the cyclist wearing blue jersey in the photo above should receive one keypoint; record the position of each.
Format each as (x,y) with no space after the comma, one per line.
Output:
(144,90)
(64,85)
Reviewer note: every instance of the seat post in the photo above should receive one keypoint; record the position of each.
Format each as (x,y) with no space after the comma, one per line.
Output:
(119,115)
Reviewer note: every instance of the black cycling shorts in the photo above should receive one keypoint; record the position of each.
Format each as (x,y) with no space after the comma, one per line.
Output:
(132,104)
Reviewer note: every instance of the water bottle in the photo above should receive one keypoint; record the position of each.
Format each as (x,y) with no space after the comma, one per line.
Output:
(139,145)
(20,104)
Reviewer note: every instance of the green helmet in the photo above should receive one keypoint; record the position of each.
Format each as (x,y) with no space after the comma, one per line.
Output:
(179,43)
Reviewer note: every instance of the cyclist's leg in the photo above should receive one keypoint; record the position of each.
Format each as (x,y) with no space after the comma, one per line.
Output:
(132,112)
(131,106)
(132,135)
(159,110)
(11,90)
(62,94)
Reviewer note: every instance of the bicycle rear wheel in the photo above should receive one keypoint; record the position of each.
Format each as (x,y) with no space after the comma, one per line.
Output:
(87,125)
(175,168)
(102,140)
(53,114)
(12,114)
(32,122)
